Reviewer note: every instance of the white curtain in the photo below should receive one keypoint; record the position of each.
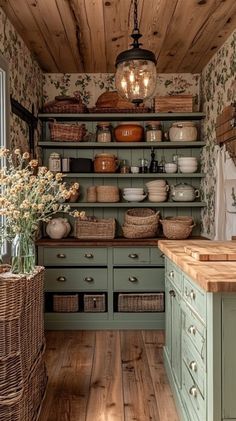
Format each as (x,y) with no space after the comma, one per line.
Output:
(225,211)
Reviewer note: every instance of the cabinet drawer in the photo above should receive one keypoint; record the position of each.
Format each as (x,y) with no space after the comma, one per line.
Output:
(174,274)
(143,279)
(63,256)
(131,255)
(195,331)
(157,257)
(195,297)
(83,279)
(195,403)
(194,364)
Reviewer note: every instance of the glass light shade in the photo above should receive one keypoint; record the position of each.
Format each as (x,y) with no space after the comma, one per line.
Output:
(135,80)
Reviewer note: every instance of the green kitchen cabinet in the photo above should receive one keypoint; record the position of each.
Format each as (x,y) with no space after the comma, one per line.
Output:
(200,361)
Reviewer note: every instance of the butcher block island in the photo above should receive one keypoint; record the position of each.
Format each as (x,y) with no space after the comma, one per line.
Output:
(200,311)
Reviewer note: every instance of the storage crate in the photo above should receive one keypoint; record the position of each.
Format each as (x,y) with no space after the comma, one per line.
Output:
(174,103)
(95,230)
(65,303)
(141,302)
(94,303)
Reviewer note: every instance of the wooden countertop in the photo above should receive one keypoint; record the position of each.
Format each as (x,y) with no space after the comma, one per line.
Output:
(211,276)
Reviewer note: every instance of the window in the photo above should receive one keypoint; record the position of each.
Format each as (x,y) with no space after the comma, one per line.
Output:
(4,114)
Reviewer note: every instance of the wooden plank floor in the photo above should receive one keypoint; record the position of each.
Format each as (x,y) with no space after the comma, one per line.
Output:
(106,376)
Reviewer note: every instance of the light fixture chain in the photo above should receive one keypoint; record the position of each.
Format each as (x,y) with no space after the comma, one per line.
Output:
(136,15)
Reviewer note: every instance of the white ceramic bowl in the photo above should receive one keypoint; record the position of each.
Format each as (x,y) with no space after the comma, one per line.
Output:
(171,167)
(134,170)
(157,198)
(159,189)
(133,190)
(187,169)
(134,198)
(187,160)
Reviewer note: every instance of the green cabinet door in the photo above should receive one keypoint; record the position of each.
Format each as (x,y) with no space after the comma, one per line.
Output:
(168,319)
(176,356)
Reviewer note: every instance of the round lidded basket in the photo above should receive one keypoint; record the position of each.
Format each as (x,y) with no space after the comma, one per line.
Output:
(139,231)
(176,230)
(141,216)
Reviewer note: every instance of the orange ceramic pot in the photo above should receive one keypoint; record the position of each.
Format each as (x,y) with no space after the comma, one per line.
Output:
(128,132)
(105,162)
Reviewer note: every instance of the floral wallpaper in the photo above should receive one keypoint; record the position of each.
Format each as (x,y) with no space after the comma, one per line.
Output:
(218,89)
(26,79)
(91,85)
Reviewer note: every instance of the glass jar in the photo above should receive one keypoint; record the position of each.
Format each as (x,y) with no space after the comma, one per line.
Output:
(124,166)
(54,162)
(153,131)
(103,133)
(23,253)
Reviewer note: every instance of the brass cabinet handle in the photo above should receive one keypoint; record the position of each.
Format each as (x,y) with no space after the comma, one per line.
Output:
(190,294)
(162,255)
(193,391)
(61,256)
(171,274)
(88,279)
(61,279)
(133,279)
(193,366)
(88,256)
(192,329)
(172,293)
(133,256)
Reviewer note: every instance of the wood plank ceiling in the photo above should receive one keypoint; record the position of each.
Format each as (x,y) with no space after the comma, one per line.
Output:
(86,35)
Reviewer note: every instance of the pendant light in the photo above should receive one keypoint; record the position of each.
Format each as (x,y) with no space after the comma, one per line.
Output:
(135,77)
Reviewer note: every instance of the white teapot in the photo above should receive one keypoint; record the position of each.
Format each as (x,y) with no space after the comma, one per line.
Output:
(58,228)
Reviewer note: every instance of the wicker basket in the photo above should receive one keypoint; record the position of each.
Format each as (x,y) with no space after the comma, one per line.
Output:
(141,302)
(95,230)
(188,220)
(66,104)
(141,216)
(176,230)
(174,103)
(139,231)
(94,303)
(66,303)
(26,405)
(67,132)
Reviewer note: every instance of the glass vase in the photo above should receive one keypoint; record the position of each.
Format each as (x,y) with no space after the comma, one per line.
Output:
(23,254)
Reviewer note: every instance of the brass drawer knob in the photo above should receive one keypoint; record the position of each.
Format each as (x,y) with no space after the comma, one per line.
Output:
(133,256)
(192,295)
(172,293)
(133,279)
(61,279)
(88,279)
(193,366)
(193,391)
(61,256)
(88,256)
(192,330)
(172,274)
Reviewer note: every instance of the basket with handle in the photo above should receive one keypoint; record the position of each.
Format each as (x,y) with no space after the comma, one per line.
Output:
(176,230)
(141,216)
(66,132)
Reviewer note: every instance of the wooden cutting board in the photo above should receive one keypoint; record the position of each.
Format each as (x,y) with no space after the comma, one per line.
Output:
(214,252)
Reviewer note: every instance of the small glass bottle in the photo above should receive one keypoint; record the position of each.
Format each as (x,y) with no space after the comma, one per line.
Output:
(54,162)
(103,133)
(161,166)
(124,167)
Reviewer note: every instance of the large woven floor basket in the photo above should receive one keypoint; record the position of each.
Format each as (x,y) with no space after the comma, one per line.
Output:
(94,230)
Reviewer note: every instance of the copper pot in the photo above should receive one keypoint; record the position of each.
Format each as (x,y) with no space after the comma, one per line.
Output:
(105,163)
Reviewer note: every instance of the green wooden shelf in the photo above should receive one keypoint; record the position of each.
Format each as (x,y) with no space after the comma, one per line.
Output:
(123,145)
(139,205)
(123,116)
(141,176)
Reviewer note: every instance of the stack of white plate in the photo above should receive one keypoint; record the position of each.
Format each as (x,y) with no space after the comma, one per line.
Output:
(157,190)
(134,194)
(187,164)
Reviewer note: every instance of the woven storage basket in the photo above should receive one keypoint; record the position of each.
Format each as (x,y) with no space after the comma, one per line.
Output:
(140,231)
(101,229)
(141,302)
(21,317)
(141,216)
(172,103)
(26,405)
(176,230)
(94,303)
(65,303)
(188,220)
(67,132)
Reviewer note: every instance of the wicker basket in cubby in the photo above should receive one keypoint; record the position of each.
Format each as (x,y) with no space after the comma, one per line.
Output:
(141,302)
(95,230)
(66,303)
(94,303)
